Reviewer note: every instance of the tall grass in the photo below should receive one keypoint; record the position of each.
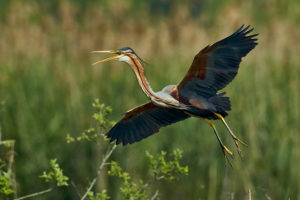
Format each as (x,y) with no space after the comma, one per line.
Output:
(47,84)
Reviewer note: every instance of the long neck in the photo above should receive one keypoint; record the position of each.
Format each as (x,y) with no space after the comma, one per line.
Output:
(138,69)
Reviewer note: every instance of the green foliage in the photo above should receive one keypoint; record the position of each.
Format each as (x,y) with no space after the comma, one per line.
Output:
(101,115)
(6,187)
(87,135)
(55,174)
(6,143)
(103,124)
(69,138)
(5,184)
(98,196)
(130,189)
(168,170)
(163,169)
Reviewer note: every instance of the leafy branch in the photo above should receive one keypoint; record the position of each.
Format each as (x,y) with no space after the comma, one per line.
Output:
(7,187)
(168,170)
(103,124)
(163,168)
(55,174)
(5,184)
(103,163)
(99,196)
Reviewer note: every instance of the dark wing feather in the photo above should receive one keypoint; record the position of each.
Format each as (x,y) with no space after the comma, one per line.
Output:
(143,121)
(216,65)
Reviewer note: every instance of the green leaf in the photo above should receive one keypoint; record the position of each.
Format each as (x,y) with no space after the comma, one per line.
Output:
(5,184)
(55,174)
(99,196)
(69,138)
(130,189)
(167,167)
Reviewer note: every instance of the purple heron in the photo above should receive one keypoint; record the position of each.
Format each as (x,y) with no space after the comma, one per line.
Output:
(196,95)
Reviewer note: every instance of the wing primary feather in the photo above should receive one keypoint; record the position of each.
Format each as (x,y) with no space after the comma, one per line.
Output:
(143,121)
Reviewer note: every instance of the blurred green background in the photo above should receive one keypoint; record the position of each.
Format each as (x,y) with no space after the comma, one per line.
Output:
(47,85)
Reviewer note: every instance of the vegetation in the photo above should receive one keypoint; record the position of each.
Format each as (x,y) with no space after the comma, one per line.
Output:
(47,84)
(167,170)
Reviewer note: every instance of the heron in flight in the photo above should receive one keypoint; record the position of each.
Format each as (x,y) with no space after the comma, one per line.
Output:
(196,95)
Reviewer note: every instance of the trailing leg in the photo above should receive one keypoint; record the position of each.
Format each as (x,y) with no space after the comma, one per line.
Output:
(225,150)
(236,140)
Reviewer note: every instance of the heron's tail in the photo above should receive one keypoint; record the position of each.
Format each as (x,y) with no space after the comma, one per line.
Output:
(221,103)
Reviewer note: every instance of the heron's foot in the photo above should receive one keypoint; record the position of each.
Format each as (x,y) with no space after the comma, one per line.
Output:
(227,161)
(226,152)
(237,141)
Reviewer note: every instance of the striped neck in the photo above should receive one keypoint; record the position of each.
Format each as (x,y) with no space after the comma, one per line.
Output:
(138,69)
(139,72)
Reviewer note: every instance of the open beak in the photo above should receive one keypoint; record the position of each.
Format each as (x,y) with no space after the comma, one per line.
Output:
(107,59)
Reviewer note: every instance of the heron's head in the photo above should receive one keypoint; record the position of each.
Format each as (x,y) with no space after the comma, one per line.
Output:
(123,54)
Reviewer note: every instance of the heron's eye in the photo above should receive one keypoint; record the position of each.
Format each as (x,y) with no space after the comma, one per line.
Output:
(118,52)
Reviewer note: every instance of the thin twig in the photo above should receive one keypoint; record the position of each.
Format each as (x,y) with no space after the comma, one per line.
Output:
(103,163)
(0,134)
(160,177)
(34,194)
(250,196)
(268,197)
(10,164)
(75,187)
(155,195)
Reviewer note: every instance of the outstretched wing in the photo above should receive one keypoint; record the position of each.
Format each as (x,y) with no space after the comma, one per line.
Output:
(143,121)
(216,65)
